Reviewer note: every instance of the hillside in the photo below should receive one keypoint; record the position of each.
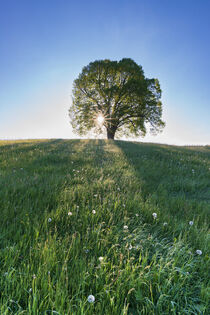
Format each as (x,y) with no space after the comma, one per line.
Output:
(108,219)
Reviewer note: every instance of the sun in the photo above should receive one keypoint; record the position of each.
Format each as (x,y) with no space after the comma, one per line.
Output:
(100,119)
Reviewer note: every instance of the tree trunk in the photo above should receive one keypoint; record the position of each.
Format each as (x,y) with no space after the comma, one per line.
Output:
(111,133)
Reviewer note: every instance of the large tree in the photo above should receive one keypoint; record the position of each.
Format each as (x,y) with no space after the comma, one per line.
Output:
(117,96)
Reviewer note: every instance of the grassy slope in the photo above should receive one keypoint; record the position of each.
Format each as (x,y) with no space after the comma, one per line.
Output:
(150,268)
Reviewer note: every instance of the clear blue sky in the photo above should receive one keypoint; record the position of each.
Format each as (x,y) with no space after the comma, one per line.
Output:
(45,43)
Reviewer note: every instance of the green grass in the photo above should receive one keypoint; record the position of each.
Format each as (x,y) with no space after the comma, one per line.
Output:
(51,241)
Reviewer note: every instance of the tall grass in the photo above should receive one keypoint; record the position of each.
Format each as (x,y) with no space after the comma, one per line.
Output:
(77,220)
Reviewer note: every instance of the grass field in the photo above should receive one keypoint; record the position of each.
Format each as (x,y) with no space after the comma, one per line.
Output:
(77,219)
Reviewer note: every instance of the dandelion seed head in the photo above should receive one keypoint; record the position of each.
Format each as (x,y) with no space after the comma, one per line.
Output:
(191,223)
(154,215)
(49,220)
(165,223)
(69,213)
(101,258)
(125,227)
(198,252)
(94,212)
(91,298)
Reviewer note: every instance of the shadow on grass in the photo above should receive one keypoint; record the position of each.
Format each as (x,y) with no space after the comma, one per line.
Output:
(178,174)
(33,175)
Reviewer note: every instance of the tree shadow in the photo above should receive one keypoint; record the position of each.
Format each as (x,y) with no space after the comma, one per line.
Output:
(177,171)
(33,176)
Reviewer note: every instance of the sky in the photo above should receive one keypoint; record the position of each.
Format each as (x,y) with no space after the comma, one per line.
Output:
(44,44)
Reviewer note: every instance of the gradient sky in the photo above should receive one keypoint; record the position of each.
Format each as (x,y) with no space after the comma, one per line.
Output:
(45,43)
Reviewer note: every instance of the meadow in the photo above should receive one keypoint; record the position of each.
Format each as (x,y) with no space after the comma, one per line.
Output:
(103,227)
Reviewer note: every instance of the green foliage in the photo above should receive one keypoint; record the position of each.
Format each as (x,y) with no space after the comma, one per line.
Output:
(120,92)
(51,240)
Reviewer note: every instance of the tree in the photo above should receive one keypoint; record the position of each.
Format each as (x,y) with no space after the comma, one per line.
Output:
(117,96)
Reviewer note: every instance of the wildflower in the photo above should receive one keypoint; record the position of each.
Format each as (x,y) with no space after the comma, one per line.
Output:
(198,252)
(94,212)
(125,227)
(137,215)
(191,223)
(118,188)
(70,213)
(154,215)
(165,223)
(101,258)
(91,298)
(49,220)
(130,247)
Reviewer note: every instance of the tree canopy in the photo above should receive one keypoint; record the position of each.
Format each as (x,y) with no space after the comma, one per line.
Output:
(115,95)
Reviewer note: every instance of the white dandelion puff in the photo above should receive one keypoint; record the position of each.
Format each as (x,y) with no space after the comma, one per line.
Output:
(191,223)
(94,212)
(91,298)
(69,213)
(198,252)
(125,227)
(49,220)
(165,223)
(101,258)
(154,215)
